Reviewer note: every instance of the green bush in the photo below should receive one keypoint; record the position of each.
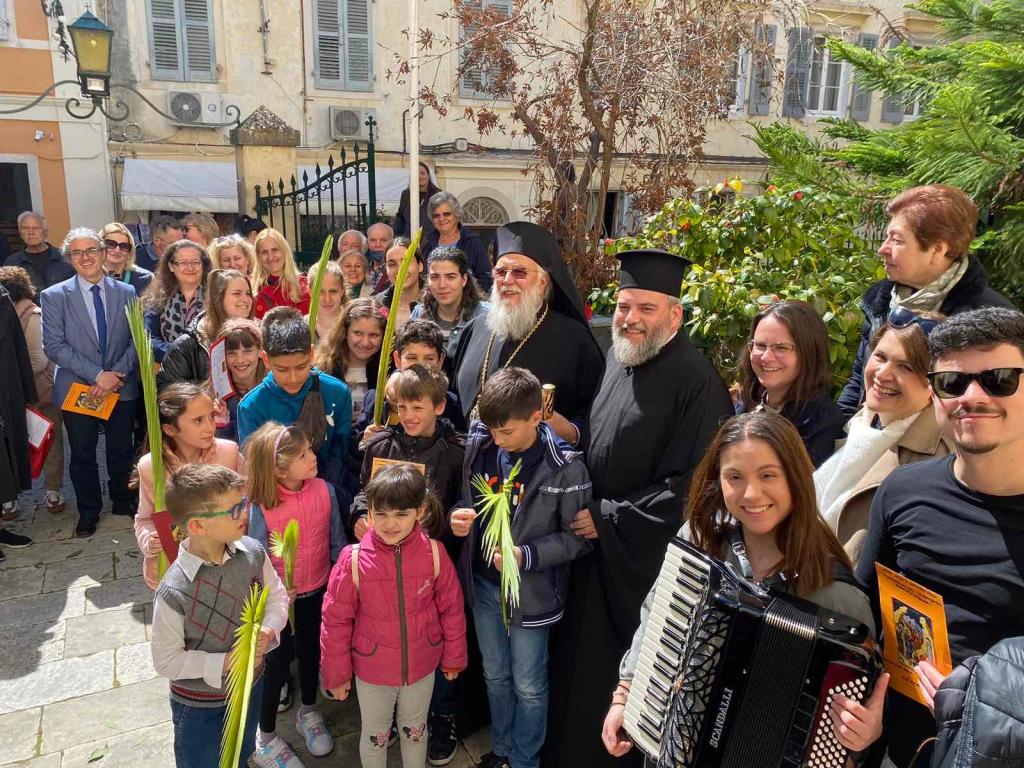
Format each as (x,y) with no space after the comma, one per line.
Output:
(749,252)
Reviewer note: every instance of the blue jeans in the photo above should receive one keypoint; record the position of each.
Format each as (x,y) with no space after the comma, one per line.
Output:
(516,671)
(197,732)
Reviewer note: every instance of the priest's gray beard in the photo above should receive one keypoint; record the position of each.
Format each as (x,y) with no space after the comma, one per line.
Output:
(634,353)
(514,322)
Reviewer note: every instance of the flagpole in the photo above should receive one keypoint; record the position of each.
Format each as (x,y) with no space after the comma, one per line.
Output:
(414,122)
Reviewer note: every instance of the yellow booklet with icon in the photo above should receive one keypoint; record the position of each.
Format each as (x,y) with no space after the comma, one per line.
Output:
(913,630)
(80,401)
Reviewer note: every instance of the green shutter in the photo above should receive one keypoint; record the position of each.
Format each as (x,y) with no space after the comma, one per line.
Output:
(761,73)
(327,50)
(358,45)
(166,61)
(860,108)
(798,70)
(200,61)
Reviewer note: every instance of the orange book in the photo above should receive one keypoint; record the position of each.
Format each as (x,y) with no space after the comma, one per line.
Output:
(913,630)
(80,401)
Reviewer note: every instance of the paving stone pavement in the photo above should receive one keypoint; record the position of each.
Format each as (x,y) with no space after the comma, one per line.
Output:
(77,685)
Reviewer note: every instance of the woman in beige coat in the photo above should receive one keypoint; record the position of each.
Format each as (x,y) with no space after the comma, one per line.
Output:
(895,426)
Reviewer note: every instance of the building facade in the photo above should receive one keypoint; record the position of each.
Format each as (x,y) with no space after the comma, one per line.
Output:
(321,67)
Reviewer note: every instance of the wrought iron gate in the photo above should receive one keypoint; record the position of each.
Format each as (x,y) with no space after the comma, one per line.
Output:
(325,204)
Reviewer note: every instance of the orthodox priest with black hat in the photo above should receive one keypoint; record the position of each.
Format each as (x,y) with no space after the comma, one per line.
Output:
(536,321)
(659,406)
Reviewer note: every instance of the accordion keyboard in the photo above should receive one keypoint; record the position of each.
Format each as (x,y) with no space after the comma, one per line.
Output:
(681,588)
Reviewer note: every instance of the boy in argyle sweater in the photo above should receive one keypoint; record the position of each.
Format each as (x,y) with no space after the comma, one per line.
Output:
(198,606)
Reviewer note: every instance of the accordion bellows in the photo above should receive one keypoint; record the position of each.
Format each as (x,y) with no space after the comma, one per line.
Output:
(733,676)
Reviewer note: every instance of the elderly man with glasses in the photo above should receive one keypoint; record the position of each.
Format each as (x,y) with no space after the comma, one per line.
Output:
(85,333)
(535,321)
(42,261)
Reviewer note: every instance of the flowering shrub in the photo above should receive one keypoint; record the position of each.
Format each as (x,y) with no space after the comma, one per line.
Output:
(748,252)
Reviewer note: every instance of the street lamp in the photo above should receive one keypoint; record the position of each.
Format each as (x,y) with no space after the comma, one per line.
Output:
(91,40)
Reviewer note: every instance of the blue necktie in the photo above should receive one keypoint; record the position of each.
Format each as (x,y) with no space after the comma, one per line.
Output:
(101,323)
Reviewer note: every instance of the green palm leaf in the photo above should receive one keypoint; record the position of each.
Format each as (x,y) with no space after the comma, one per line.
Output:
(495,506)
(389,331)
(147,373)
(240,676)
(286,547)
(314,298)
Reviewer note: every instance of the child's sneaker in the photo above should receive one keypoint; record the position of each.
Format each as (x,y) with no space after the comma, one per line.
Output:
(443,740)
(284,700)
(275,754)
(310,725)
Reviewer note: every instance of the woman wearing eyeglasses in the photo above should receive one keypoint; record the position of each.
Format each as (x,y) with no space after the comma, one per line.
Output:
(177,294)
(187,423)
(928,268)
(784,370)
(446,215)
(120,259)
(896,426)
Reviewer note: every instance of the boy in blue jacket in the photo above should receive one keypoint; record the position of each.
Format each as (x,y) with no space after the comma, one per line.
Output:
(552,486)
(294,392)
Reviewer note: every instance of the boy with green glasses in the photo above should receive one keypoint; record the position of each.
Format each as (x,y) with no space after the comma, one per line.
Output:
(198,607)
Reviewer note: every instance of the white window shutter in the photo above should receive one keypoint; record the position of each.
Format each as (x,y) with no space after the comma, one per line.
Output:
(358,45)
(474,80)
(762,71)
(166,61)
(200,61)
(5,20)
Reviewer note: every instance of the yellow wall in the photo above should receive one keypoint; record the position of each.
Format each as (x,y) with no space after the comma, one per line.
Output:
(26,70)
(17,137)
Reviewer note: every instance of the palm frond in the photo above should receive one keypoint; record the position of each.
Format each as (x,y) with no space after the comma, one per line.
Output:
(240,676)
(495,506)
(147,373)
(389,331)
(286,547)
(314,298)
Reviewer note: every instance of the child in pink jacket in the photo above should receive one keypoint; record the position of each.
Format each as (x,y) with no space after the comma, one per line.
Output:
(393,613)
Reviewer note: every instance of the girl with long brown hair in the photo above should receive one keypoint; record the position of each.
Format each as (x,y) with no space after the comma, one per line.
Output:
(351,352)
(752,505)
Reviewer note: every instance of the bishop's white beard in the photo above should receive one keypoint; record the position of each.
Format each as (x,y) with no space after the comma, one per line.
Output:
(514,322)
(634,353)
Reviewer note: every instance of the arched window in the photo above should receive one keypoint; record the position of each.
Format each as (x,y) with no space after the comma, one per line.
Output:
(484,215)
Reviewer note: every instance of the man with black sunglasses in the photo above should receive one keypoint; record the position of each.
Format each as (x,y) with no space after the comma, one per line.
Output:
(955,525)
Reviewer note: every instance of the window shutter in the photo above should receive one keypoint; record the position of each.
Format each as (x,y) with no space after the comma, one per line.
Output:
(165,48)
(5,20)
(798,70)
(892,106)
(474,79)
(200,63)
(358,50)
(861,105)
(761,76)
(327,54)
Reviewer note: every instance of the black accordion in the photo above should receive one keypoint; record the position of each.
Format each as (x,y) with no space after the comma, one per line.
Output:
(733,676)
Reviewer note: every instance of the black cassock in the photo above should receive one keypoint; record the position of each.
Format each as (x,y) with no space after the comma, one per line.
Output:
(649,428)
(562,351)
(17,389)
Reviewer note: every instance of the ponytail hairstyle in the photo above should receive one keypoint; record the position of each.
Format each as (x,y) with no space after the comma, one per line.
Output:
(809,548)
(171,404)
(269,450)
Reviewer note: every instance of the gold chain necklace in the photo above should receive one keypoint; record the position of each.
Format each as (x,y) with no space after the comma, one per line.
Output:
(474,412)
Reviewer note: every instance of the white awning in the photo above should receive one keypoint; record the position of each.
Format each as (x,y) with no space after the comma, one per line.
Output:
(391,182)
(173,185)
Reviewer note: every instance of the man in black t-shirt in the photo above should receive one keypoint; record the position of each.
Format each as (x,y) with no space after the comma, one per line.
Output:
(956,525)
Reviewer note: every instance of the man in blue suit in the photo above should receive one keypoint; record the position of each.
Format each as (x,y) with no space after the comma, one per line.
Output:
(85,333)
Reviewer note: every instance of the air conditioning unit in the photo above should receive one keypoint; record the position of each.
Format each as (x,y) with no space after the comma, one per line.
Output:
(194,109)
(350,122)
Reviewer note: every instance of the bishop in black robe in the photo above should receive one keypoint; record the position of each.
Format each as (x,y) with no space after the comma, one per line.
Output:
(649,428)
(560,351)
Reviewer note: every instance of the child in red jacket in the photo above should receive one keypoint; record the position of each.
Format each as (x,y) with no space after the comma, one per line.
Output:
(393,646)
